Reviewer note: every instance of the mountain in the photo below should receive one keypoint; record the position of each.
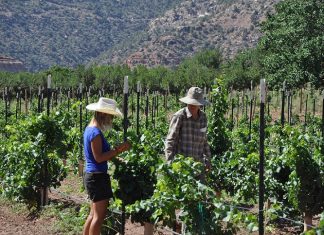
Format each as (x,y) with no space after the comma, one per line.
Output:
(195,25)
(43,33)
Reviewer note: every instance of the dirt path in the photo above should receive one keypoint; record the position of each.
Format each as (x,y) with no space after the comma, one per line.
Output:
(13,223)
(15,220)
(16,224)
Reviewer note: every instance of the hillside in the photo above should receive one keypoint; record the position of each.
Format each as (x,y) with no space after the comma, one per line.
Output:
(193,26)
(42,33)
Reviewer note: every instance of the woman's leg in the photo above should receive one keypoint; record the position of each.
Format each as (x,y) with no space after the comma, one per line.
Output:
(86,226)
(99,213)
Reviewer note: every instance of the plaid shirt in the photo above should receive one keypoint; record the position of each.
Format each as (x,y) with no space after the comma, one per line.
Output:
(188,137)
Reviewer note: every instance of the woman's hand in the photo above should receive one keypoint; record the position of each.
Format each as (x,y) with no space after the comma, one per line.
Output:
(123,147)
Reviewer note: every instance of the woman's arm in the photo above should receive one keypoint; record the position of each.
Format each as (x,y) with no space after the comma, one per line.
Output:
(99,156)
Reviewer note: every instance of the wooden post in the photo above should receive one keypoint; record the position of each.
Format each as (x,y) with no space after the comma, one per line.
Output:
(288,106)
(44,189)
(17,104)
(87,102)
(152,109)
(278,99)
(39,99)
(147,109)
(30,98)
(261,164)
(20,95)
(205,97)
(268,105)
(314,106)
(323,121)
(6,105)
(232,114)
(52,98)
(283,104)
(42,99)
(138,90)
(243,102)
(68,101)
(49,80)
(237,110)
(60,95)
(157,103)
(301,101)
(131,94)
(26,102)
(306,104)
(291,108)
(81,131)
(125,108)
(251,110)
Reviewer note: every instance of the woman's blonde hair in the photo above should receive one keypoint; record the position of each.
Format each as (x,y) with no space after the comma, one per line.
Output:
(103,119)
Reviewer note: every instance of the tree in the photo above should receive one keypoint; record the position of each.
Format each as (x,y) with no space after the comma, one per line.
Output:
(244,68)
(209,58)
(293,43)
(85,75)
(200,70)
(60,75)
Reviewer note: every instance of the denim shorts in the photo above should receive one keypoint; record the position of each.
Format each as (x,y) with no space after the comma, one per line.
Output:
(98,186)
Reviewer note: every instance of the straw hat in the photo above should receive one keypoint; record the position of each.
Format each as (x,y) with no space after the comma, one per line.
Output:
(105,105)
(194,96)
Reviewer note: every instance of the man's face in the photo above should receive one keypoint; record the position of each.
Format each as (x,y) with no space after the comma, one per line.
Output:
(193,109)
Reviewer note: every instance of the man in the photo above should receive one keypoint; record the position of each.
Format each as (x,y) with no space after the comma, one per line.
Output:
(188,134)
(188,130)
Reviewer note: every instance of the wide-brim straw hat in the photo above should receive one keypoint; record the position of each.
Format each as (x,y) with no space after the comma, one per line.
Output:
(195,96)
(105,105)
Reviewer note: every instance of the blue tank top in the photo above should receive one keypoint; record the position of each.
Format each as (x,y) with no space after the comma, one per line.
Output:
(91,165)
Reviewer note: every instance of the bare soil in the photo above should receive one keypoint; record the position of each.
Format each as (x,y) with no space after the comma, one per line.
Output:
(17,220)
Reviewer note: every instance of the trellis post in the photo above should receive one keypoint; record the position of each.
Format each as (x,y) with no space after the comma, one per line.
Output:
(125,108)
(261,164)
(283,104)
(81,131)
(138,91)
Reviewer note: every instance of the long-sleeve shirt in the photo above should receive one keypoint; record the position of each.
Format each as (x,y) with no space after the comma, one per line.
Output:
(188,136)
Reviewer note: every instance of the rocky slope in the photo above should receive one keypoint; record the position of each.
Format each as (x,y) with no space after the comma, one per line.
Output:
(43,33)
(196,25)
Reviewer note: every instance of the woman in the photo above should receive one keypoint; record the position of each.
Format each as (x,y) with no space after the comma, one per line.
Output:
(97,152)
